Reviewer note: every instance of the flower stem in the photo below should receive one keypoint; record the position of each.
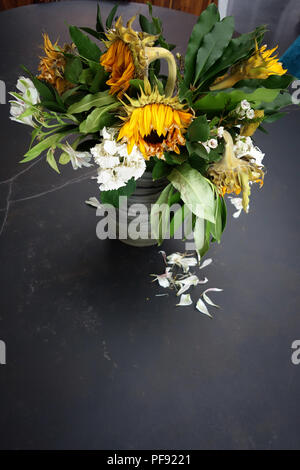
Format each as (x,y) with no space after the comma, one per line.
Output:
(154,53)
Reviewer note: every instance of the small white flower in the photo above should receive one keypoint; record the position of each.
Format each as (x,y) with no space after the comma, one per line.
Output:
(213,143)
(245,105)
(250,114)
(78,159)
(20,106)
(220,132)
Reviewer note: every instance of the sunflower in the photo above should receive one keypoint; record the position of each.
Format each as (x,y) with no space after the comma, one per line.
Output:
(125,57)
(261,65)
(154,123)
(232,174)
(52,66)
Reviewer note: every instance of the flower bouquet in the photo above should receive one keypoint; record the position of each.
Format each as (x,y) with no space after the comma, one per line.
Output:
(182,140)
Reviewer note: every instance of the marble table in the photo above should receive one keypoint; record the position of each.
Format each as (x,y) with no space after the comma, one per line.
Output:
(95,359)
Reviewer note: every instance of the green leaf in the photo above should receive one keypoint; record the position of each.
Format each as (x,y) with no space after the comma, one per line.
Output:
(216,102)
(148,26)
(90,31)
(160,170)
(112,197)
(159,216)
(173,158)
(216,228)
(205,23)
(178,219)
(73,69)
(195,190)
(238,48)
(98,118)
(111,16)
(282,100)
(64,158)
(86,76)
(223,213)
(213,45)
(205,247)
(274,81)
(51,160)
(50,141)
(199,233)
(99,24)
(85,46)
(197,149)
(199,129)
(99,80)
(100,99)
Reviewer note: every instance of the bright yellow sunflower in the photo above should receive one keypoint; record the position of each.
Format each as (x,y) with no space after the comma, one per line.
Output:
(52,66)
(154,123)
(232,174)
(125,57)
(260,65)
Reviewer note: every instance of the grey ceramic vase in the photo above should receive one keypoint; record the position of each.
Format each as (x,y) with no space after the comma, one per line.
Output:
(147,192)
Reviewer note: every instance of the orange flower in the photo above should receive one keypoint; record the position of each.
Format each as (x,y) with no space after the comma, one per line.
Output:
(52,66)
(125,57)
(119,62)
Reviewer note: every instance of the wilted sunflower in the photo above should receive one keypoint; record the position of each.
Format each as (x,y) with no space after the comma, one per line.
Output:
(260,65)
(232,174)
(125,57)
(52,66)
(154,123)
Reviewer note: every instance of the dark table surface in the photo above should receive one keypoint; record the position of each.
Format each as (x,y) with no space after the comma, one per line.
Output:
(94,359)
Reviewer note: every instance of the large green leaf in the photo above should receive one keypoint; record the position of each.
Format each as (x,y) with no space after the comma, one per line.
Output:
(205,23)
(196,191)
(238,48)
(85,46)
(102,98)
(98,118)
(213,45)
(273,81)
(215,102)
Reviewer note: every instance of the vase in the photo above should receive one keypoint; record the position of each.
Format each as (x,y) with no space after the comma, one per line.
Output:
(146,193)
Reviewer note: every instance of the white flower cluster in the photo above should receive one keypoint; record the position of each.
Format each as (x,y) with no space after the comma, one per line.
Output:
(213,143)
(244,110)
(244,146)
(21,108)
(116,167)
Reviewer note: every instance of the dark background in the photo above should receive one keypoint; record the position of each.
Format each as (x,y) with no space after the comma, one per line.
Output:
(94,359)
